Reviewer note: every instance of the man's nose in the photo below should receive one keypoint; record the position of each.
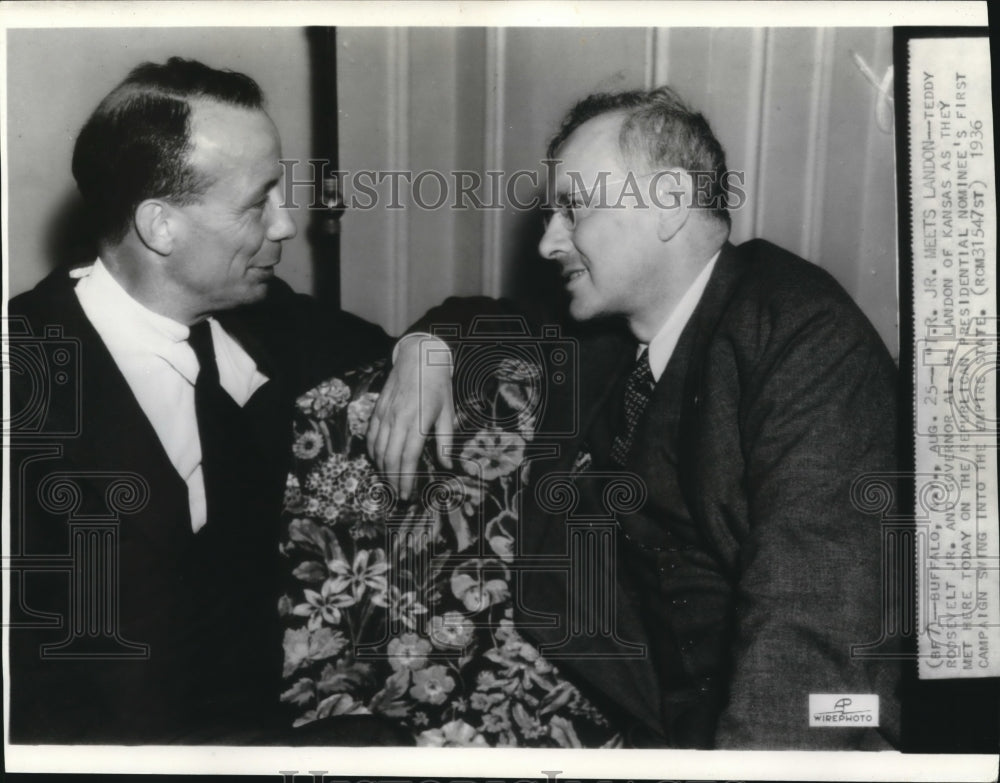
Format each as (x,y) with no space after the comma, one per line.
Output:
(282,225)
(556,240)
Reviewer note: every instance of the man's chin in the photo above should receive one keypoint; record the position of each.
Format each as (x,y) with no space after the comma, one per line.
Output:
(580,310)
(257,291)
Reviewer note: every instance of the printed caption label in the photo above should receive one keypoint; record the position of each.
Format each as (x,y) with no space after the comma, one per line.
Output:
(953,200)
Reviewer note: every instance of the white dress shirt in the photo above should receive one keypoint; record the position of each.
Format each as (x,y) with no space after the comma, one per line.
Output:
(160,368)
(661,347)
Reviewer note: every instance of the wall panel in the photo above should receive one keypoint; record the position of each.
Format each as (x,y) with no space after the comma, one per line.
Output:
(546,72)
(789,104)
(857,232)
(73,69)
(792,84)
(791,107)
(371,133)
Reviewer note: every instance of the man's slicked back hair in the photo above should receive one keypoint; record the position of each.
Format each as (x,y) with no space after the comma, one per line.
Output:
(658,128)
(137,142)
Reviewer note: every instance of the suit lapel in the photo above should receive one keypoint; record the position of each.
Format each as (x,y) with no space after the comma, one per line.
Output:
(700,330)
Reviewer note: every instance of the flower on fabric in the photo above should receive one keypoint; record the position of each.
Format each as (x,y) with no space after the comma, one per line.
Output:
(484,701)
(499,535)
(455,734)
(308,445)
(340,704)
(527,423)
(340,487)
(324,606)
(480,583)
(366,526)
(432,685)
(492,453)
(518,370)
(324,399)
(322,477)
(515,652)
(472,494)
(360,575)
(344,676)
(359,412)
(528,724)
(404,606)
(563,733)
(301,693)
(495,722)
(453,631)
(303,646)
(293,492)
(505,630)
(296,646)
(408,651)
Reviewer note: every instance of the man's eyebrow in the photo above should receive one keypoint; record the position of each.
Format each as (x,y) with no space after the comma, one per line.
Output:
(264,189)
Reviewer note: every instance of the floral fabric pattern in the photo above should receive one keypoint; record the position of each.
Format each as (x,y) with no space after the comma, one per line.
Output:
(403,609)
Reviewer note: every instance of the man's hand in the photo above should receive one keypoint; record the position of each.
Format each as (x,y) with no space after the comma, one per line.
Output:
(416,400)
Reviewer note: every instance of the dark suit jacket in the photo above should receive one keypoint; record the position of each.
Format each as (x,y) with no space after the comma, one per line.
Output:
(746,573)
(188,646)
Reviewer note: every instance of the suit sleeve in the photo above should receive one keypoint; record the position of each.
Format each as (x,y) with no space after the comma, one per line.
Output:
(314,341)
(817,411)
(457,317)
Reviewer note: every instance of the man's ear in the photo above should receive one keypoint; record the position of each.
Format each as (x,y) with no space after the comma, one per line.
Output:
(673,191)
(154,223)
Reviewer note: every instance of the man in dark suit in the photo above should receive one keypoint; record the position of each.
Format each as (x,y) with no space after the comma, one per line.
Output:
(735,393)
(160,471)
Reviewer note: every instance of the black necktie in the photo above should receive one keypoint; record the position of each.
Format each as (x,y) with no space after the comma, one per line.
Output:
(220,427)
(638,391)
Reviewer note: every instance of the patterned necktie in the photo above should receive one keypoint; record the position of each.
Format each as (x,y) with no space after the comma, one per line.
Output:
(220,425)
(638,391)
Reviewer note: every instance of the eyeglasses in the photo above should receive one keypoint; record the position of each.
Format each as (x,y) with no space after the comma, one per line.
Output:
(567,204)
(565,207)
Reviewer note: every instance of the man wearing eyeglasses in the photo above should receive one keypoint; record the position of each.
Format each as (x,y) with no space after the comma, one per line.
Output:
(746,394)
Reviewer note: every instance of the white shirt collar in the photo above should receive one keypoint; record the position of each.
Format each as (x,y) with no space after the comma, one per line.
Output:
(160,367)
(662,346)
(131,326)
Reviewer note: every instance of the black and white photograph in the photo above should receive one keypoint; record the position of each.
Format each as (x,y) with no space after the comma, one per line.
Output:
(535,390)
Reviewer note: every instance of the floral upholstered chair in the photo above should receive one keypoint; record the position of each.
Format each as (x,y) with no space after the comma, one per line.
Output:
(403,609)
